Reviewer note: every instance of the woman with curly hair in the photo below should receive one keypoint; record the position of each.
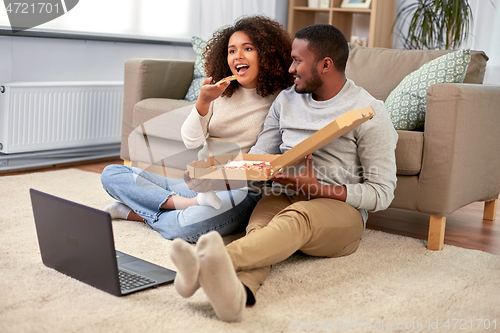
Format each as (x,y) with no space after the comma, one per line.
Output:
(257,50)
(227,118)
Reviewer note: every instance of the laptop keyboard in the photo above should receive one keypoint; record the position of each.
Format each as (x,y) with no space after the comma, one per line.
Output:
(130,281)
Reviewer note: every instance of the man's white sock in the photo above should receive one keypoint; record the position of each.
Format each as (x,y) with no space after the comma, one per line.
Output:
(209,199)
(186,261)
(117,210)
(218,279)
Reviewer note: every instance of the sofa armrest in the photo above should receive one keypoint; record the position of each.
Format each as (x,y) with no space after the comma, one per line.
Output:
(461,155)
(152,78)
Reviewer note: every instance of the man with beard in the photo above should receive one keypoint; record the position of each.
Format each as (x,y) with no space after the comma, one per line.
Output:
(320,210)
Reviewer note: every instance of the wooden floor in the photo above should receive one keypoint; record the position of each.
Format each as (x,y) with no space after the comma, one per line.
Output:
(464,228)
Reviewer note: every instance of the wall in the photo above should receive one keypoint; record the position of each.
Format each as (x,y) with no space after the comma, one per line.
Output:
(28,59)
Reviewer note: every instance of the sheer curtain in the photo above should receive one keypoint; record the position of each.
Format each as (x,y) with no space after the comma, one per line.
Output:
(485,35)
(217,13)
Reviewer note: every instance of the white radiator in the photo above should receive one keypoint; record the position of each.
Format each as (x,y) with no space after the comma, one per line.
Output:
(55,115)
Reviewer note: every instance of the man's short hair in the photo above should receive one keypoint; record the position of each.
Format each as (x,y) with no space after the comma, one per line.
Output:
(326,41)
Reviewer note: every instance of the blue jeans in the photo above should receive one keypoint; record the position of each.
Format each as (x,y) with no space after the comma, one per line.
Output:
(145,193)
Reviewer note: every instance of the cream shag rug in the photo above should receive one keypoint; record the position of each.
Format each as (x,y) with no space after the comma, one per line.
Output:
(392,283)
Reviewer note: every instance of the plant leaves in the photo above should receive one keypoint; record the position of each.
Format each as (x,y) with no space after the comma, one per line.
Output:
(434,24)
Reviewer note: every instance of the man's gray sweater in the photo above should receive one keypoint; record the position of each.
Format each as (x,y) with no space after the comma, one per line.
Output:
(363,159)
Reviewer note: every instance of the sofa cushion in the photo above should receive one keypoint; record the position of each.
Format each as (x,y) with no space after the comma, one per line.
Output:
(406,104)
(168,114)
(380,70)
(199,70)
(409,151)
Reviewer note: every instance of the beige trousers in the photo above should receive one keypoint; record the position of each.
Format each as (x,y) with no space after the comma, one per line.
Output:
(280,225)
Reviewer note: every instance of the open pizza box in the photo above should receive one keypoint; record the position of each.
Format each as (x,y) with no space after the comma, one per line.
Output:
(246,166)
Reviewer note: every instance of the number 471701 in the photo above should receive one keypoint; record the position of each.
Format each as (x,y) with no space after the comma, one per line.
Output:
(26,8)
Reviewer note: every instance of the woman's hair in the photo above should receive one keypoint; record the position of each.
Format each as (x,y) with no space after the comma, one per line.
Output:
(273,45)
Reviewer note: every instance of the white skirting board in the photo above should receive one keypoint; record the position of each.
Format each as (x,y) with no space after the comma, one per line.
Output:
(40,159)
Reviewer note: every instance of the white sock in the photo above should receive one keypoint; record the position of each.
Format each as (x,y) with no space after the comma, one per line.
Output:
(117,210)
(186,261)
(209,199)
(218,278)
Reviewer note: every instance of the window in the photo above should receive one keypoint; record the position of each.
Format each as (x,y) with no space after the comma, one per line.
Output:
(140,19)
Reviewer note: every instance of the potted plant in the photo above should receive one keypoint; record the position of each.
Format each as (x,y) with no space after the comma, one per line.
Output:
(434,24)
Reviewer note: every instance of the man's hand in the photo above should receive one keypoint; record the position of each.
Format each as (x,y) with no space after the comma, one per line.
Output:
(304,183)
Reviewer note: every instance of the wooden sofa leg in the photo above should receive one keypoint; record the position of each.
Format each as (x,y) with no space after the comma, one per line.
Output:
(127,163)
(437,226)
(490,210)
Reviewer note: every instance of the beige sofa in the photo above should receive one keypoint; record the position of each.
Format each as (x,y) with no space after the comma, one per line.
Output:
(452,162)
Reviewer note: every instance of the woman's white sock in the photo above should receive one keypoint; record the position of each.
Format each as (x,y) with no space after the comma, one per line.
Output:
(117,210)
(209,199)
(186,261)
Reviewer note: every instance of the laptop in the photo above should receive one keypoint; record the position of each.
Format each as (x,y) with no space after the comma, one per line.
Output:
(78,241)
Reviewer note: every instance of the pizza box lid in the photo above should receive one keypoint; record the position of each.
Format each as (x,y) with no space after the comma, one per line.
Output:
(340,126)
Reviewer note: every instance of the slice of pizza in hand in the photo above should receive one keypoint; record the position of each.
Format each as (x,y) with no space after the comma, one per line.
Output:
(229,78)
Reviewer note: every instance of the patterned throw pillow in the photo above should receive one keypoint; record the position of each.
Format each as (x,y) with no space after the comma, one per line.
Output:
(406,104)
(199,70)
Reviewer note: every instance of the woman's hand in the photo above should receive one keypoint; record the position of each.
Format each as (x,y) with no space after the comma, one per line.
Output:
(205,185)
(197,185)
(208,93)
